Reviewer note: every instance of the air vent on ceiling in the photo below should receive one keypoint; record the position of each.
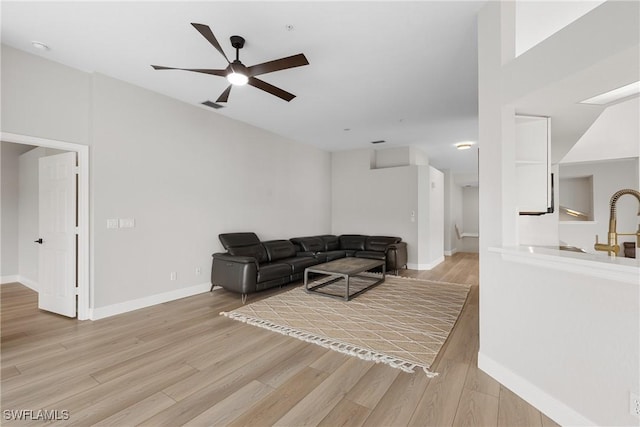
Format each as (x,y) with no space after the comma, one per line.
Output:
(212,104)
(378,142)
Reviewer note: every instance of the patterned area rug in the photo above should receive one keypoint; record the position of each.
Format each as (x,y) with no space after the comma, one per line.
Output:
(402,322)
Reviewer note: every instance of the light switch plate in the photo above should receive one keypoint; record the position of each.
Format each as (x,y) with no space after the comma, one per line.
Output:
(113,223)
(127,223)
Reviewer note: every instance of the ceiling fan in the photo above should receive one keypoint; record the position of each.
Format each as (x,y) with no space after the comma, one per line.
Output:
(237,73)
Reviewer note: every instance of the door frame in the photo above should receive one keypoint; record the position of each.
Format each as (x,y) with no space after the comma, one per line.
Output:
(85,271)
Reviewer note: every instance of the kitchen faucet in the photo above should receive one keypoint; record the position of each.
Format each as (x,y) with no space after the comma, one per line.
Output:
(612,246)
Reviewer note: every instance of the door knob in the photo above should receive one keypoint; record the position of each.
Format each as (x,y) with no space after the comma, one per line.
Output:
(38,241)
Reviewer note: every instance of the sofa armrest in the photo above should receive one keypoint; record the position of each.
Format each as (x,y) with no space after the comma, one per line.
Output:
(396,256)
(235,273)
(235,258)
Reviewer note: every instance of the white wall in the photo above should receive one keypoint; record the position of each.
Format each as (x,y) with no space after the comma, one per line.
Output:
(608,177)
(184,173)
(9,179)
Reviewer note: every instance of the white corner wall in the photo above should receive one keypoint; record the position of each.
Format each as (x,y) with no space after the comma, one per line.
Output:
(184,173)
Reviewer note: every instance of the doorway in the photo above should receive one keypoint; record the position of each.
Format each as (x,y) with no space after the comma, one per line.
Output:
(83,254)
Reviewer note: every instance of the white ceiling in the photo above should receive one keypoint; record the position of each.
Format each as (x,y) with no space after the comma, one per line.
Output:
(405,72)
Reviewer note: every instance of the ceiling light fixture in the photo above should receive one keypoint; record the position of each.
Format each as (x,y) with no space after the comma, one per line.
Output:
(464,145)
(40,45)
(237,79)
(614,95)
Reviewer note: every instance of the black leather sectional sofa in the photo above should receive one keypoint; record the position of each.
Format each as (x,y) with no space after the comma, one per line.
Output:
(250,265)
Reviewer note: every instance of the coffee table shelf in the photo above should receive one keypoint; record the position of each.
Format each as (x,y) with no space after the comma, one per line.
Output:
(343,270)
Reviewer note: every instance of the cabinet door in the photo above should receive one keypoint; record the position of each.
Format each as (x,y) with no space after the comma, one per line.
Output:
(532,165)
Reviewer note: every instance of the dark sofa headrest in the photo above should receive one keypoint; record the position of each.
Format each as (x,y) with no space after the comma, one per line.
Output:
(352,242)
(230,240)
(279,249)
(380,243)
(309,244)
(331,242)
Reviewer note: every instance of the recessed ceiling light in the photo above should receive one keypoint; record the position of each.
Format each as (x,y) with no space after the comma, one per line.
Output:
(614,95)
(39,45)
(464,145)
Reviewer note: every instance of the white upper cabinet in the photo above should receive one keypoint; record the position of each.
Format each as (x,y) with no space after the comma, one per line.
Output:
(533,169)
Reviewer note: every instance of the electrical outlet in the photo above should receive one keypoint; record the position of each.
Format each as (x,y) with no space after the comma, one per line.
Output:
(634,404)
(198,271)
(174,276)
(113,223)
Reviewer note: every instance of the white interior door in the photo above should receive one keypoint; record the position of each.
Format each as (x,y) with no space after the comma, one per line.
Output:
(57,225)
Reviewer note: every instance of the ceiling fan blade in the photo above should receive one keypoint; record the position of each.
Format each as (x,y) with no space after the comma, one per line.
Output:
(278,64)
(208,34)
(195,70)
(225,95)
(260,84)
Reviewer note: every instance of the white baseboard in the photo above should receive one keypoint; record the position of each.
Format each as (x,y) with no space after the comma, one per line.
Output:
(451,252)
(9,279)
(550,406)
(31,284)
(428,266)
(124,307)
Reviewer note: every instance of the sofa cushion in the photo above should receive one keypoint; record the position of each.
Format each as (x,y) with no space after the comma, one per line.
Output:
(279,249)
(379,243)
(244,244)
(371,255)
(352,242)
(273,270)
(309,244)
(331,255)
(298,264)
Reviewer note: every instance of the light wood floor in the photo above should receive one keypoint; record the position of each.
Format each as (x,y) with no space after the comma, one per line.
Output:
(181,363)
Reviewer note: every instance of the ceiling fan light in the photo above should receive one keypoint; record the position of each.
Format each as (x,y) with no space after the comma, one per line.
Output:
(464,145)
(237,79)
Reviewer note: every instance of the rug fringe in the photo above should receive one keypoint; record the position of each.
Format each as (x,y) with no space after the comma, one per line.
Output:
(338,346)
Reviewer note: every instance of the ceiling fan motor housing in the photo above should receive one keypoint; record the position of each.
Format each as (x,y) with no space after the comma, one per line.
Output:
(237,42)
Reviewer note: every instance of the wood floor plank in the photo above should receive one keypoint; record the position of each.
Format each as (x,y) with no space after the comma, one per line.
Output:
(317,404)
(231,407)
(286,396)
(346,413)
(399,403)
(440,400)
(228,382)
(476,409)
(515,412)
(373,385)
(138,412)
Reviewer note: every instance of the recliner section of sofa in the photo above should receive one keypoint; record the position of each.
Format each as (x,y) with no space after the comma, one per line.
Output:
(250,265)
